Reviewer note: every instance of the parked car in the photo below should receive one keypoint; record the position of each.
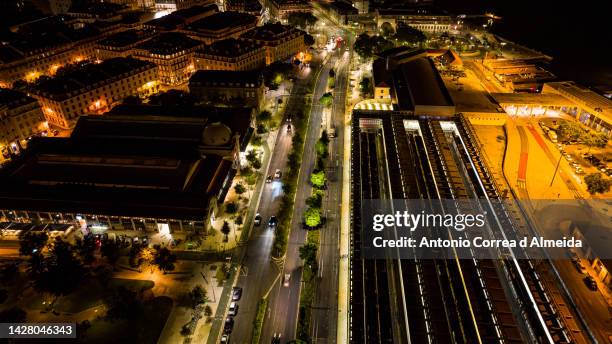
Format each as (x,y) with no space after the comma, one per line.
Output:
(228,326)
(236,293)
(590,283)
(257,219)
(233,309)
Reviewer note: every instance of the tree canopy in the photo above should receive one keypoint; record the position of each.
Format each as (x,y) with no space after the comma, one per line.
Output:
(326,99)
(318,179)
(164,259)
(312,217)
(308,253)
(301,19)
(410,35)
(367,46)
(597,184)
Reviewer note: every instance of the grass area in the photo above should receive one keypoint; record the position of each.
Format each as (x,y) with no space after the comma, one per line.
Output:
(308,292)
(146,329)
(259,320)
(89,294)
(132,284)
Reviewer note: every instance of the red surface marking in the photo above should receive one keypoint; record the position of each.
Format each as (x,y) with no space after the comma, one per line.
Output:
(538,138)
(522,172)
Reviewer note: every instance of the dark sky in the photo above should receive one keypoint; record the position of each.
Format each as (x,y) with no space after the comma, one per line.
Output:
(575,33)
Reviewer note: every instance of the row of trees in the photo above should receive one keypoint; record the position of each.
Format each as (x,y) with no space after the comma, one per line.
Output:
(573,131)
(294,159)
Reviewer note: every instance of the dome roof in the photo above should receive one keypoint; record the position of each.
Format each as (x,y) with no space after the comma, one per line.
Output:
(216,134)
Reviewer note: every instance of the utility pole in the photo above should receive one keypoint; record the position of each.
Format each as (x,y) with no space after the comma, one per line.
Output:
(556,169)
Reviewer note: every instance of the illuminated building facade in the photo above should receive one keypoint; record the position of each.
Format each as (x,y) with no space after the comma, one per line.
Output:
(228,87)
(20,118)
(280,9)
(231,54)
(52,43)
(94,88)
(280,41)
(172,52)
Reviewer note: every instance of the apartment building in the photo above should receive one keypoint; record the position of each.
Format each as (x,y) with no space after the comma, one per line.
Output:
(172,52)
(93,88)
(228,87)
(231,54)
(44,46)
(20,118)
(280,41)
(219,26)
(121,44)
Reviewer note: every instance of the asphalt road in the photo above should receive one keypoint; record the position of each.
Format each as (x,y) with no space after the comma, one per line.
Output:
(324,313)
(283,303)
(259,272)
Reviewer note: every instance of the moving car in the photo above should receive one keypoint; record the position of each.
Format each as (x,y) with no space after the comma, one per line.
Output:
(276,339)
(278,174)
(269,179)
(579,266)
(286,280)
(257,220)
(331,133)
(272,222)
(590,283)
(233,309)
(236,293)
(224,339)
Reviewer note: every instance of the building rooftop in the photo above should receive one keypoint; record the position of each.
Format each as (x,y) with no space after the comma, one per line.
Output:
(137,164)
(43,35)
(423,83)
(221,78)
(126,38)
(96,9)
(413,78)
(269,32)
(344,7)
(250,6)
(238,120)
(79,79)
(230,47)
(11,98)
(540,99)
(168,43)
(300,3)
(585,97)
(417,10)
(221,21)
(194,11)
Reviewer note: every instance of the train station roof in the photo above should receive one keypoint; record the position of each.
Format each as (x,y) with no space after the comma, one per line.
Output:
(533,99)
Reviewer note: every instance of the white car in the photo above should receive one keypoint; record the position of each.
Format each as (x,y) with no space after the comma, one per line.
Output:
(233,309)
(287,279)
